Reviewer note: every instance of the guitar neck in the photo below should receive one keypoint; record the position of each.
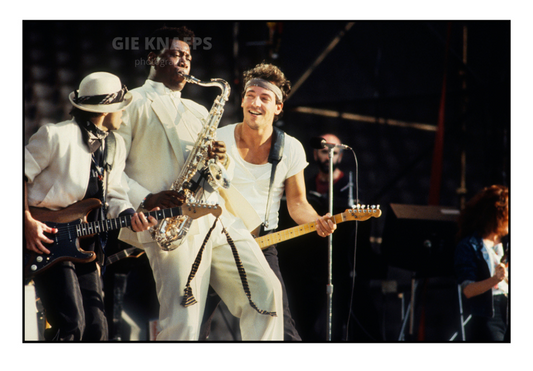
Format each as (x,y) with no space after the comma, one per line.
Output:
(87,229)
(287,234)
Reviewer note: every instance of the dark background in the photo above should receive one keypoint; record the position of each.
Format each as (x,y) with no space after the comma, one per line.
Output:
(389,73)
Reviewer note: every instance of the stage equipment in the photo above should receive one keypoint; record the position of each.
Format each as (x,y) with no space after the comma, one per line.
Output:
(420,239)
(320,143)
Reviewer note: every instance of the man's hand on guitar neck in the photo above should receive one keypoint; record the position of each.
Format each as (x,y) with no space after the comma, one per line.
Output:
(325,225)
(34,233)
(140,223)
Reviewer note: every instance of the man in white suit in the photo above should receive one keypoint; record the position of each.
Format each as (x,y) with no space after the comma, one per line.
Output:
(64,163)
(160,130)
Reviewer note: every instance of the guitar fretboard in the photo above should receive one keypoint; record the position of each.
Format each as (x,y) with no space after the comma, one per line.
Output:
(86,229)
(287,234)
(359,213)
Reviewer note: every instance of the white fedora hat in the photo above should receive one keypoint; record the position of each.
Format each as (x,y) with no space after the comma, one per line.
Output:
(101,92)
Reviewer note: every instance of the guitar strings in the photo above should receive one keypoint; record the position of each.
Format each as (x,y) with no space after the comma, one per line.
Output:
(94,227)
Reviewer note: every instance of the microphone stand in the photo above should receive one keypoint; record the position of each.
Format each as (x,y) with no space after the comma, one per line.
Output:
(329,288)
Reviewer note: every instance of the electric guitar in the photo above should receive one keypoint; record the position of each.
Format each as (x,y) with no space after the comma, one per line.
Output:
(71,223)
(356,213)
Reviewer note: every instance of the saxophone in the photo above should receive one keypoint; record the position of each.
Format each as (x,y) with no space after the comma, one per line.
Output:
(173,229)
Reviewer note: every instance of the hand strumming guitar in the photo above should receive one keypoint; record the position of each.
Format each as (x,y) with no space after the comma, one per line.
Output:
(34,234)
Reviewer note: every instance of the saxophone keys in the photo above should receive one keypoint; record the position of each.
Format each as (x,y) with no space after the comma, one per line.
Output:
(218,176)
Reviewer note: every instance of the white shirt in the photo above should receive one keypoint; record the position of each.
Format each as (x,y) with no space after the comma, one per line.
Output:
(496,254)
(57,164)
(253,181)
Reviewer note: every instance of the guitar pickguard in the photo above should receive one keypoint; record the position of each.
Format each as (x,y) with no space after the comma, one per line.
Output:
(66,246)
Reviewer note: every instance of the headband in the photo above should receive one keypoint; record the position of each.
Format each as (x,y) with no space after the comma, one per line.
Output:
(265,85)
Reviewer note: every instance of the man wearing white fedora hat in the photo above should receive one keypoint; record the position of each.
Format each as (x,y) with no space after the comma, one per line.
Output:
(160,129)
(66,166)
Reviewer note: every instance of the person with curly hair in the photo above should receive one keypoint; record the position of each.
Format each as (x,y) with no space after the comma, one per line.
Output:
(250,143)
(480,259)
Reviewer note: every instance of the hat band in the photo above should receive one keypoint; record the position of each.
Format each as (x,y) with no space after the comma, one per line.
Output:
(116,97)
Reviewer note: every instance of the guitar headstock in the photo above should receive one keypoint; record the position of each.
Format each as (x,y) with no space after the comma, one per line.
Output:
(197,210)
(362,212)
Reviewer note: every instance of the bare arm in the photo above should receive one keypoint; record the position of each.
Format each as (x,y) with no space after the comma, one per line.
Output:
(301,210)
(479,287)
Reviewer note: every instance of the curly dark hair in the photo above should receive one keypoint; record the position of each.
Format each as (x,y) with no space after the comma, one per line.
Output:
(162,37)
(487,212)
(272,74)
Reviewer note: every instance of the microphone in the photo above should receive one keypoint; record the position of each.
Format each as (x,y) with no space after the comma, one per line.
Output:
(319,143)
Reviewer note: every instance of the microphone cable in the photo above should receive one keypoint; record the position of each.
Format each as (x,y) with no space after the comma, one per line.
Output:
(355,244)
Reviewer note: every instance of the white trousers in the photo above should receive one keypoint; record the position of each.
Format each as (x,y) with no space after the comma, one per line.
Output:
(217,268)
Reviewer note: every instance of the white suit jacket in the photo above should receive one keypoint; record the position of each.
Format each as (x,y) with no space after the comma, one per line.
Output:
(158,141)
(57,164)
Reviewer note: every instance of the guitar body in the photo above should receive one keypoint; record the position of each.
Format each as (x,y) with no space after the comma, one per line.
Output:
(77,211)
(72,225)
(66,244)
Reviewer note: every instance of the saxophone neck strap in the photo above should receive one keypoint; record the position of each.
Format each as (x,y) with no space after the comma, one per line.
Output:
(188,296)
(274,157)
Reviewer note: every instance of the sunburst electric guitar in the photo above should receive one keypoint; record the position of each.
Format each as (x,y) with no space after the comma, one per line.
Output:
(355,214)
(71,224)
